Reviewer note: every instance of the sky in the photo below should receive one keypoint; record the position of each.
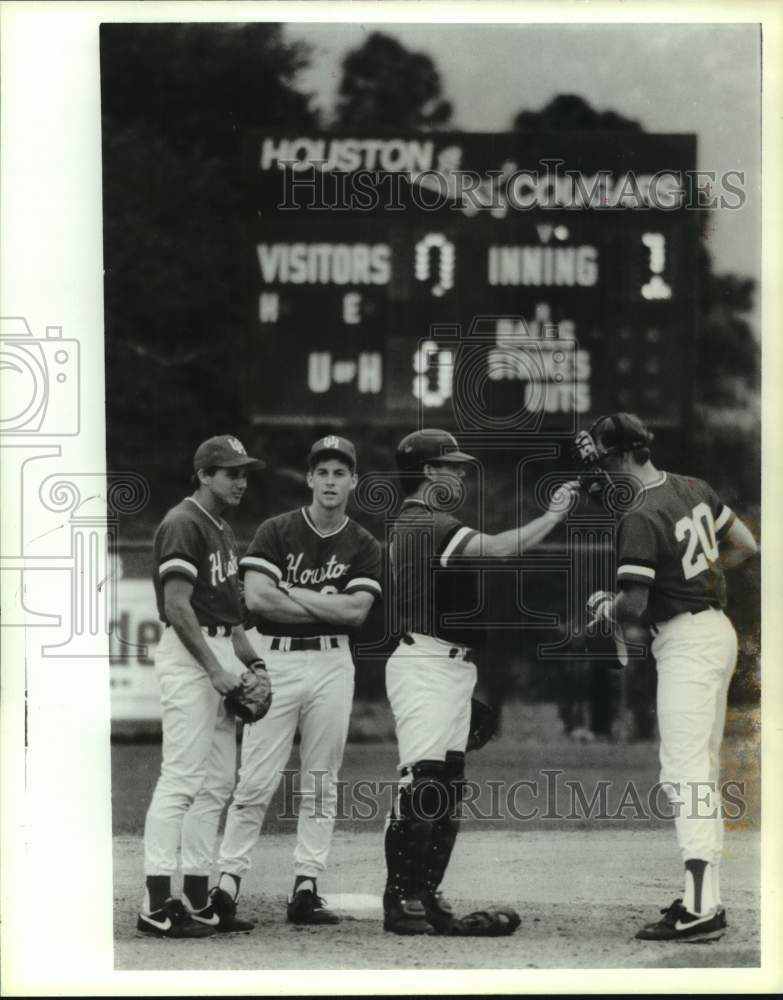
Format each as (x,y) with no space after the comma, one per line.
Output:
(700,78)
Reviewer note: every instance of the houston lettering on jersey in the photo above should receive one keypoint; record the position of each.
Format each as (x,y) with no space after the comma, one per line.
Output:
(331,570)
(219,572)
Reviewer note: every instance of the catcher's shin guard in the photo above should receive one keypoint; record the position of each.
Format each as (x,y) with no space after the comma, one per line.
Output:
(421,805)
(446,827)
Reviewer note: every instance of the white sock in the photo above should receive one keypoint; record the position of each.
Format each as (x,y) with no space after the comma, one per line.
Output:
(714,872)
(146,906)
(228,883)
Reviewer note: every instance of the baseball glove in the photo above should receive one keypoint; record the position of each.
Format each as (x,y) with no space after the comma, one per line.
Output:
(483,724)
(252,697)
(495,921)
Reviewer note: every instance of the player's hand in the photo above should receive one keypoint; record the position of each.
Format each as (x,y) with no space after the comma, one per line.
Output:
(598,607)
(257,681)
(223,681)
(564,499)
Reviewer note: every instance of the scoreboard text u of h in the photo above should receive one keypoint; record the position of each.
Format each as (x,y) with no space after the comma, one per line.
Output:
(482,281)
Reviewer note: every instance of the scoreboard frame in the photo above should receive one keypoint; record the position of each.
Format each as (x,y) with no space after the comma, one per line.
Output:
(316,260)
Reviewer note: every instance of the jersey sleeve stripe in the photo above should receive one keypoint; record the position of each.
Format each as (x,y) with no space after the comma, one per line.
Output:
(363,583)
(182,566)
(458,541)
(633,569)
(261,566)
(726,515)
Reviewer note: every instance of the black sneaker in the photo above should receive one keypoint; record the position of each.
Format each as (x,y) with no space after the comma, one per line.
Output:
(439,912)
(172,920)
(680,925)
(405,916)
(221,913)
(307,907)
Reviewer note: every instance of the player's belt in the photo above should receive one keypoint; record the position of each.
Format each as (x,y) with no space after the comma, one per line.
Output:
(455,652)
(657,626)
(294,644)
(214,630)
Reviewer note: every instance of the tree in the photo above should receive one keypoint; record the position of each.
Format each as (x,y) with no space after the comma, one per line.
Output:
(176,101)
(204,81)
(569,113)
(384,85)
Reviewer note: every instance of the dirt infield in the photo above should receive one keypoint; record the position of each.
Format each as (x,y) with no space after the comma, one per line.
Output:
(581,895)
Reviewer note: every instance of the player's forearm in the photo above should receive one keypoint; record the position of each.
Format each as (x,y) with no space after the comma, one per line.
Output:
(278,606)
(516,541)
(182,619)
(242,647)
(628,606)
(730,558)
(735,555)
(334,609)
(737,546)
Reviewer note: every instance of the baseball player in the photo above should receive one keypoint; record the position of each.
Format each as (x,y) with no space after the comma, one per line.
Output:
(199,659)
(431,675)
(310,578)
(672,551)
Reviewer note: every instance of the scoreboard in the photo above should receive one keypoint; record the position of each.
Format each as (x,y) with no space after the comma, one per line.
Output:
(484,281)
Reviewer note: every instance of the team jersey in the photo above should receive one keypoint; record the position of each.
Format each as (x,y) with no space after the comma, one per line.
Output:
(193,544)
(670,543)
(428,588)
(290,549)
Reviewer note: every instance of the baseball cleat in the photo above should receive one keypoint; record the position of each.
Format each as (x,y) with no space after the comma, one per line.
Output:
(680,925)
(221,913)
(439,912)
(172,920)
(306,907)
(405,916)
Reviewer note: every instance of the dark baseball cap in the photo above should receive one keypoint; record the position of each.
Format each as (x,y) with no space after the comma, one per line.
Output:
(337,445)
(224,452)
(429,445)
(620,432)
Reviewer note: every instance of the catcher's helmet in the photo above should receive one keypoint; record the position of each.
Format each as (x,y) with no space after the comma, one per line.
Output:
(429,445)
(618,433)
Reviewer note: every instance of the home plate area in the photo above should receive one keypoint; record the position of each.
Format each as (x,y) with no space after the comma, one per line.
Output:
(359,905)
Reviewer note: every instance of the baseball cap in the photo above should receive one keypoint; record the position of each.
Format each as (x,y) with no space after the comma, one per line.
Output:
(429,445)
(339,445)
(224,452)
(619,432)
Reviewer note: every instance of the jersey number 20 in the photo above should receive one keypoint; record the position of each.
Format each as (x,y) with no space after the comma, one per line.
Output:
(702,545)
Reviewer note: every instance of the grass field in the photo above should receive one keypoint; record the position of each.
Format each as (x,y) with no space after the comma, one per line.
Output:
(582,884)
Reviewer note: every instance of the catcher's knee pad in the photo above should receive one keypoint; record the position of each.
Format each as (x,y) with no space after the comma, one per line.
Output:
(429,798)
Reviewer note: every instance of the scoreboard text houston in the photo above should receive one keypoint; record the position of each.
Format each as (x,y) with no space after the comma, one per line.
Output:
(475,280)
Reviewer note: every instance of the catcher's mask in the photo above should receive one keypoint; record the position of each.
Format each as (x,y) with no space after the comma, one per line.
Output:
(614,434)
